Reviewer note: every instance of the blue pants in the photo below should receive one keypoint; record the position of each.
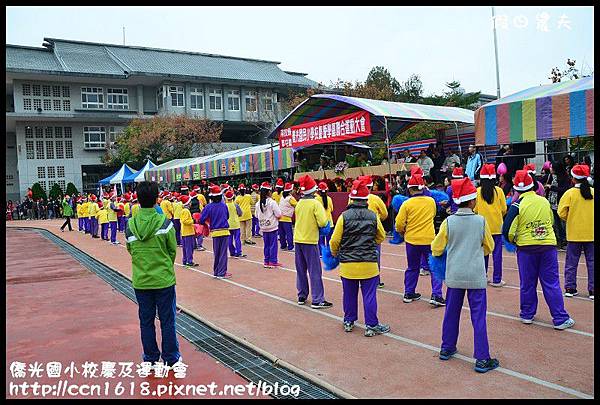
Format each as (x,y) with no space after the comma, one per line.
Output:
(235,243)
(113,231)
(282,240)
(87,225)
(307,261)
(255,226)
(497,258)
(81,224)
(149,302)
(94,226)
(414,256)
(177,226)
(104,231)
(368,288)
(220,253)
(270,246)
(188,249)
(288,234)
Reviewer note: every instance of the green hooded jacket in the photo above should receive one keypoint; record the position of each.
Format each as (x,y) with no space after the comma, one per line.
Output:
(152,245)
(67,210)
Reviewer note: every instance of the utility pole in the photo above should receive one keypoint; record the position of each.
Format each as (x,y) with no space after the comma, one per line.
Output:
(496,52)
(124,38)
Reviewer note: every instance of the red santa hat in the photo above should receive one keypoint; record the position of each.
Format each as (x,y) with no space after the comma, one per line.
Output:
(214,191)
(255,187)
(463,190)
(196,188)
(176,194)
(288,187)
(93,197)
(134,197)
(307,184)
(530,168)
(242,186)
(100,205)
(457,173)
(229,194)
(323,186)
(359,190)
(184,188)
(522,181)
(416,180)
(266,185)
(279,183)
(367,179)
(581,172)
(416,170)
(488,171)
(192,194)
(185,199)
(196,216)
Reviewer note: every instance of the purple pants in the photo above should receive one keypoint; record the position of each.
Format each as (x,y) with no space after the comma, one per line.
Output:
(282,240)
(255,226)
(414,254)
(572,260)
(540,263)
(188,249)
(307,259)
(270,248)
(220,251)
(113,231)
(81,224)
(368,288)
(104,231)
(288,234)
(121,222)
(198,241)
(324,240)
(235,243)
(477,308)
(87,225)
(177,226)
(94,226)
(497,257)
(425,262)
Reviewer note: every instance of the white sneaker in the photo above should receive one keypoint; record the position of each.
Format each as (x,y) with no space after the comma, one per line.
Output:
(566,324)
(423,272)
(500,284)
(527,321)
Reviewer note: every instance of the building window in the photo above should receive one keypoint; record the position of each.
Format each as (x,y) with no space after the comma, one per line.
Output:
(268,99)
(46,90)
(49,149)
(37,104)
(197,98)
(41,172)
(251,101)
(47,105)
(51,172)
(60,152)
(28,132)
(43,184)
(177,96)
(49,132)
(215,98)
(92,97)
(39,132)
(39,149)
(58,132)
(60,171)
(26,89)
(117,99)
(94,137)
(113,133)
(27,104)
(233,100)
(69,149)
(68,133)
(66,91)
(61,184)
(66,105)
(56,105)
(56,91)
(37,90)
(29,149)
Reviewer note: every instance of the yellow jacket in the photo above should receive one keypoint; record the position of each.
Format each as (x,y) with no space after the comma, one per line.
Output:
(93,209)
(441,240)
(102,216)
(202,199)
(376,205)
(78,210)
(187,223)
(579,215)
(276,196)
(310,216)
(177,208)
(112,215)
(126,209)
(329,209)
(167,208)
(245,202)
(529,221)
(415,220)
(355,270)
(234,219)
(493,213)
(85,210)
(134,209)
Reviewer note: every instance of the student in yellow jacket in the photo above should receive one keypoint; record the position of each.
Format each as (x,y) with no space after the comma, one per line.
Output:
(355,237)
(188,232)
(576,207)
(235,212)
(85,213)
(93,211)
(166,205)
(102,217)
(135,205)
(78,210)
(310,216)
(244,200)
(278,191)
(113,218)
(491,204)
(415,222)
(528,224)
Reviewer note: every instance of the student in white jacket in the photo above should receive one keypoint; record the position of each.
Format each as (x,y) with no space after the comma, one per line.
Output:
(286,205)
(268,213)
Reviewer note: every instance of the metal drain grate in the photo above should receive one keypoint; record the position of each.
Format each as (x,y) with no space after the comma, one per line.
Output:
(250,365)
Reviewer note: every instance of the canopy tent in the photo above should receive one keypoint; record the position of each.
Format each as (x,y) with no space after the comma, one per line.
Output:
(253,159)
(553,111)
(138,176)
(354,144)
(118,177)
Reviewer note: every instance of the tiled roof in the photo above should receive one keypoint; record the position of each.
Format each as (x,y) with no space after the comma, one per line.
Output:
(75,57)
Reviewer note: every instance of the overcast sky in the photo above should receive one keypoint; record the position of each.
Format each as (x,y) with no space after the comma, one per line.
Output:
(438,43)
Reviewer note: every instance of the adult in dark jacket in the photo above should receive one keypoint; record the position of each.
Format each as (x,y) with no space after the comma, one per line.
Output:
(558,183)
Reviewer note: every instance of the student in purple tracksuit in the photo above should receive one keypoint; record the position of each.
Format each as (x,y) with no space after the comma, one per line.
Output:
(466,238)
(216,216)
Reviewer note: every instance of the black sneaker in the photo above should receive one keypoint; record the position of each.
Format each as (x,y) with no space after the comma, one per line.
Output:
(380,329)
(437,301)
(301,300)
(411,297)
(381,284)
(322,305)
(483,366)
(571,292)
(446,354)
(348,326)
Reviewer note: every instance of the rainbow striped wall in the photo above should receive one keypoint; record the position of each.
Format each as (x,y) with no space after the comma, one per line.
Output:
(548,112)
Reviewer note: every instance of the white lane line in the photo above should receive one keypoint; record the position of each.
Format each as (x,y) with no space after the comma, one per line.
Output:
(416,343)
(384,290)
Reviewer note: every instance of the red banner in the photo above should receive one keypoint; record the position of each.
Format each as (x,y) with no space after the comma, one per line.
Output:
(328,130)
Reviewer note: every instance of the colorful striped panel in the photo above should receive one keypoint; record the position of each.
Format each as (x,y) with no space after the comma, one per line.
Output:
(589,111)
(543,114)
(480,126)
(502,124)
(516,122)
(529,121)
(577,106)
(490,126)
(560,116)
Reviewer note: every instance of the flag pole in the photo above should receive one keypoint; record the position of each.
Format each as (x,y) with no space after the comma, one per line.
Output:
(496,53)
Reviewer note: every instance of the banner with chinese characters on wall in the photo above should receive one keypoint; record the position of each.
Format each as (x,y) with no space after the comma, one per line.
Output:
(329,130)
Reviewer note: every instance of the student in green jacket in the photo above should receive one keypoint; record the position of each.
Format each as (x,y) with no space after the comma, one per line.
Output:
(67,214)
(152,245)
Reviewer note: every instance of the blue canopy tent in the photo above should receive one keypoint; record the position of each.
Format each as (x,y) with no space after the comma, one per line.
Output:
(117,178)
(138,176)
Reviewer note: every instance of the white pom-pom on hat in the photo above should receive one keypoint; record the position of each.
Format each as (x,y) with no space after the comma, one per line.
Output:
(354,192)
(521,184)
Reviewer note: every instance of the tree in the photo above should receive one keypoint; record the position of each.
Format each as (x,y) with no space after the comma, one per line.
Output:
(71,190)
(570,73)
(454,96)
(379,78)
(55,192)
(38,192)
(164,138)
(411,91)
